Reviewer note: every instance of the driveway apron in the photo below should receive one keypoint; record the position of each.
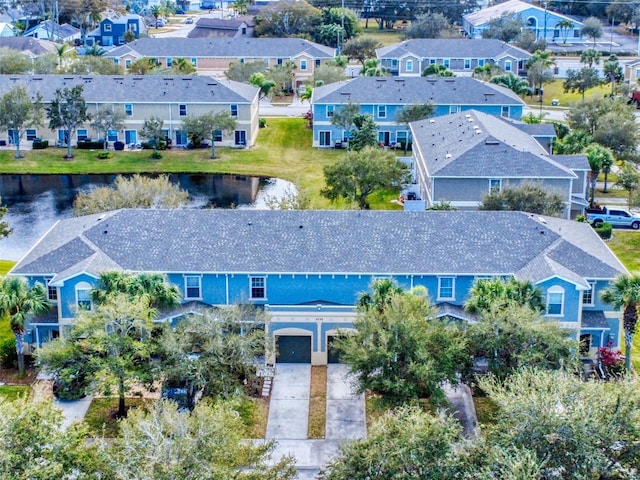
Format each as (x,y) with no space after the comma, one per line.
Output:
(289,405)
(346,418)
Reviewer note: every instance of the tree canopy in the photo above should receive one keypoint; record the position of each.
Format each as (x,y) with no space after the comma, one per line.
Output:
(403,350)
(360,173)
(67,111)
(526,197)
(18,112)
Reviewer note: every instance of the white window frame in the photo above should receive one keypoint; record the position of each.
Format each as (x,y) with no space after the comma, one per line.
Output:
(182,109)
(128,109)
(194,62)
(330,110)
(107,27)
(31,134)
(505,111)
(446,62)
(555,290)
(263,287)
(467,63)
(169,62)
(507,66)
(198,278)
(303,65)
(453,288)
(590,293)
(233,110)
(409,65)
(454,108)
(382,111)
(83,287)
(493,187)
(79,134)
(481,62)
(52,292)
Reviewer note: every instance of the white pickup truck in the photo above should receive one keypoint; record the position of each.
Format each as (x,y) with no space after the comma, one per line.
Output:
(615,216)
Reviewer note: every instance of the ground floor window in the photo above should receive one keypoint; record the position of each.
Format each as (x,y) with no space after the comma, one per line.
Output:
(324,138)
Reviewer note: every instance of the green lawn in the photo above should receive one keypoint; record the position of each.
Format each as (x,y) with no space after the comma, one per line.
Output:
(99,418)
(384,37)
(554,90)
(626,245)
(11,392)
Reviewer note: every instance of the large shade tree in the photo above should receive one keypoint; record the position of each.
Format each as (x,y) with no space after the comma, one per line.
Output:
(358,174)
(404,351)
(106,119)
(18,300)
(214,352)
(33,444)
(624,293)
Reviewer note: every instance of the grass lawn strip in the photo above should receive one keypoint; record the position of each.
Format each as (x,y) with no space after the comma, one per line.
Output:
(100,417)
(259,428)
(12,392)
(318,402)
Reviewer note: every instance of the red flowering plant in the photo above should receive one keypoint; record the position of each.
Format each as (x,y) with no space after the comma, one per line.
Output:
(612,361)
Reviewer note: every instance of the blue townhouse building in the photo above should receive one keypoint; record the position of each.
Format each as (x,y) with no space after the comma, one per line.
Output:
(385,97)
(306,268)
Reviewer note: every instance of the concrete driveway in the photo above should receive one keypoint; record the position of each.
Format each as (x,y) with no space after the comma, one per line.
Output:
(289,405)
(346,418)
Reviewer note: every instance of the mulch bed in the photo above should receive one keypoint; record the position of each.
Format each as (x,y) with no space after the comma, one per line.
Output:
(9,376)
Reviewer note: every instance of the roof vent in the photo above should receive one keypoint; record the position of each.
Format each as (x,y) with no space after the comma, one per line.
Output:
(469,119)
(431,120)
(478,132)
(542,220)
(448,155)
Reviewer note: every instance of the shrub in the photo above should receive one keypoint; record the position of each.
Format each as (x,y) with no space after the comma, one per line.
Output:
(105,155)
(8,355)
(70,384)
(581,218)
(90,145)
(604,230)
(156,155)
(262,122)
(612,361)
(40,144)
(162,145)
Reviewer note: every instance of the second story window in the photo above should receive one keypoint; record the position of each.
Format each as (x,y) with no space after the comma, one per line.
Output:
(409,65)
(234,110)
(382,111)
(258,288)
(128,109)
(446,288)
(330,110)
(555,301)
(192,286)
(183,110)
(587,295)
(107,27)
(303,64)
(52,292)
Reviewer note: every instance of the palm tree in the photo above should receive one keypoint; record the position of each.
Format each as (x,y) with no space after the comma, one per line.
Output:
(17,301)
(437,70)
(306,94)
(564,26)
(508,80)
(160,293)
(497,293)
(624,293)
(383,290)
(155,11)
(598,156)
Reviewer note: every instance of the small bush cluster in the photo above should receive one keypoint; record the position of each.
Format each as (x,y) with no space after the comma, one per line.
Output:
(90,145)
(8,355)
(40,144)
(604,230)
(105,155)
(612,361)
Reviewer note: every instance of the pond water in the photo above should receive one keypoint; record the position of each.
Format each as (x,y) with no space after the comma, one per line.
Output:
(36,202)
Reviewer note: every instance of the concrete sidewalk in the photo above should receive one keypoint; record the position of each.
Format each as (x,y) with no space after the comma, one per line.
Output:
(73,410)
(289,406)
(346,417)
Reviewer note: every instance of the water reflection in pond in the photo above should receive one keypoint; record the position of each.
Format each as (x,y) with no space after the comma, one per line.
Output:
(36,202)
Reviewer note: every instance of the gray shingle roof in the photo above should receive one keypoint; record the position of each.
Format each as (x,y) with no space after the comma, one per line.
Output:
(594,319)
(574,162)
(366,242)
(223,48)
(452,48)
(137,88)
(535,129)
(28,45)
(408,90)
(472,143)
